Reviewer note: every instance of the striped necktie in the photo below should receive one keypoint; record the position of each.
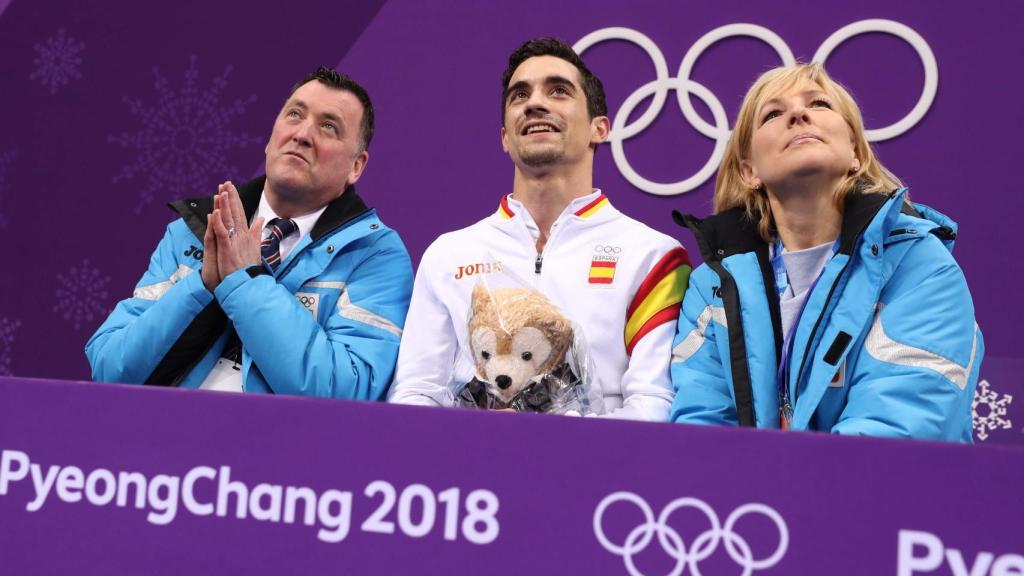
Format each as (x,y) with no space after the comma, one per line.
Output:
(270,248)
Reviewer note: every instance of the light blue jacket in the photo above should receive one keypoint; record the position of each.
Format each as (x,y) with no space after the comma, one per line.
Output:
(886,346)
(326,324)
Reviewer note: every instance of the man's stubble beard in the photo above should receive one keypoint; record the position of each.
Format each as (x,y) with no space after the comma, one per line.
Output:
(540,158)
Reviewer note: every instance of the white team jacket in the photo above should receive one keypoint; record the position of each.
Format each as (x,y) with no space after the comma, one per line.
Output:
(620,280)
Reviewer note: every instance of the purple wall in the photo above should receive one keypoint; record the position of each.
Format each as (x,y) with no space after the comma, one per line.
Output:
(114,110)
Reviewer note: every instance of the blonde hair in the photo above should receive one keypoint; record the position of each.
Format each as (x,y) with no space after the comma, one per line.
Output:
(731,190)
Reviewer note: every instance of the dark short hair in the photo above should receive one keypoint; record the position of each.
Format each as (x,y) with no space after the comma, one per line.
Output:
(334,79)
(592,87)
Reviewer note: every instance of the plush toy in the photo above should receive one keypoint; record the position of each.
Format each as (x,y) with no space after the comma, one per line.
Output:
(519,341)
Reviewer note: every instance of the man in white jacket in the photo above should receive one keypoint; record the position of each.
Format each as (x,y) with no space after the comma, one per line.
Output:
(619,280)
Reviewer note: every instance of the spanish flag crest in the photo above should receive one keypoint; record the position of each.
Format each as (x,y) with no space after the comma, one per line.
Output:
(602,264)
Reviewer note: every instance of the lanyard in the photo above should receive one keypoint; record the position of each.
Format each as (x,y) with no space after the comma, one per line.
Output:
(782,376)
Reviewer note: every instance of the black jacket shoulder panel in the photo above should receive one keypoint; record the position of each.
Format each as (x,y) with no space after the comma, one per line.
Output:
(341,210)
(195,210)
(858,212)
(724,234)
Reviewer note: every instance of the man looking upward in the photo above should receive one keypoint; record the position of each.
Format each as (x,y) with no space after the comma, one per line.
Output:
(621,281)
(289,284)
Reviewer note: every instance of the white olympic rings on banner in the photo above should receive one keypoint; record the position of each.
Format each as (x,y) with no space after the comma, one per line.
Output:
(719,131)
(702,547)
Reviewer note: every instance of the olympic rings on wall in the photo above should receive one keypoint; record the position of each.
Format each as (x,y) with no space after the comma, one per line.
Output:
(702,547)
(719,131)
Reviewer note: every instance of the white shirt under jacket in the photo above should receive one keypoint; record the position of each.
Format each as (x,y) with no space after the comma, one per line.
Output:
(628,322)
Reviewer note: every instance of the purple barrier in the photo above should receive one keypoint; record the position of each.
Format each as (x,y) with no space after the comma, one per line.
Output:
(124,480)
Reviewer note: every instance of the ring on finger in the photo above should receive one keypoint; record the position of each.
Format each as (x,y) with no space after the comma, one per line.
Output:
(231,232)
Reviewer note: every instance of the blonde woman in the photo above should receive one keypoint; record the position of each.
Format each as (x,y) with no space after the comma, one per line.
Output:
(827,300)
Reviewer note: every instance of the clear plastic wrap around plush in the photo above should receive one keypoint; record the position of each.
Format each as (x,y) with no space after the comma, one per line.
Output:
(528,356)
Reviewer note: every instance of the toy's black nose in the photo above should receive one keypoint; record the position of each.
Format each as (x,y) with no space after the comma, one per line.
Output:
(503,381)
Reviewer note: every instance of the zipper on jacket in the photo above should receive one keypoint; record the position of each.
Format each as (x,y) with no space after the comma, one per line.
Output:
(538,262)
(828,300)
(807,349)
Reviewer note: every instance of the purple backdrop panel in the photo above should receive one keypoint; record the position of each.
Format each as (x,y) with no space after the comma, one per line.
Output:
(118,107)
(120,480)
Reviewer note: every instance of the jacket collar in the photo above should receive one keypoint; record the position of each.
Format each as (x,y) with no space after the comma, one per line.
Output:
(722,235)
(342,209)
(859,211)
(733,232)
(582,207)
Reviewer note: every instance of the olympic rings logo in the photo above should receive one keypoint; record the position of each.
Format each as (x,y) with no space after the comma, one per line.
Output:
(720,131)
(607,249)
(701,547)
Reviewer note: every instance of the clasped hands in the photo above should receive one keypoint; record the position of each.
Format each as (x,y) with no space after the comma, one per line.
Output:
(230,243)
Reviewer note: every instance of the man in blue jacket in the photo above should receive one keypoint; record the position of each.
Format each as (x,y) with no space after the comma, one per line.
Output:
(288,284)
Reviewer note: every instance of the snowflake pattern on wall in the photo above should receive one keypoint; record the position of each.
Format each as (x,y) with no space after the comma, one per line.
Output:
(81,294)
(6,158)
(8,329)
(989,411)
(57,61)
(183,137)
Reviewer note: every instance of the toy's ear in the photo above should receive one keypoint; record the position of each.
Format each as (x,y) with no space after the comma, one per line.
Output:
(560,334)
(481,297)
(567,336)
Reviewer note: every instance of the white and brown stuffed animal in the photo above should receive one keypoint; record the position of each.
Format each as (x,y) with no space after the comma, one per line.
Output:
(517,337)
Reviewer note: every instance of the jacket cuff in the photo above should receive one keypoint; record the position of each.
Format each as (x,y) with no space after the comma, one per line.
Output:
(257,270)
(194,284)
(231,282)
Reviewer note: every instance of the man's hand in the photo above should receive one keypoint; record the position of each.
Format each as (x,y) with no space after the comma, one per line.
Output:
(238,244)
(210,270)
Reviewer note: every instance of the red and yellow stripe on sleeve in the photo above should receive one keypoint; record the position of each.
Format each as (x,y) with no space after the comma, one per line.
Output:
(659,297)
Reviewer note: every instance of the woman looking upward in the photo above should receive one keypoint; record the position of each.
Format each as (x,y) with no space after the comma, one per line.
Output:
(827,300)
